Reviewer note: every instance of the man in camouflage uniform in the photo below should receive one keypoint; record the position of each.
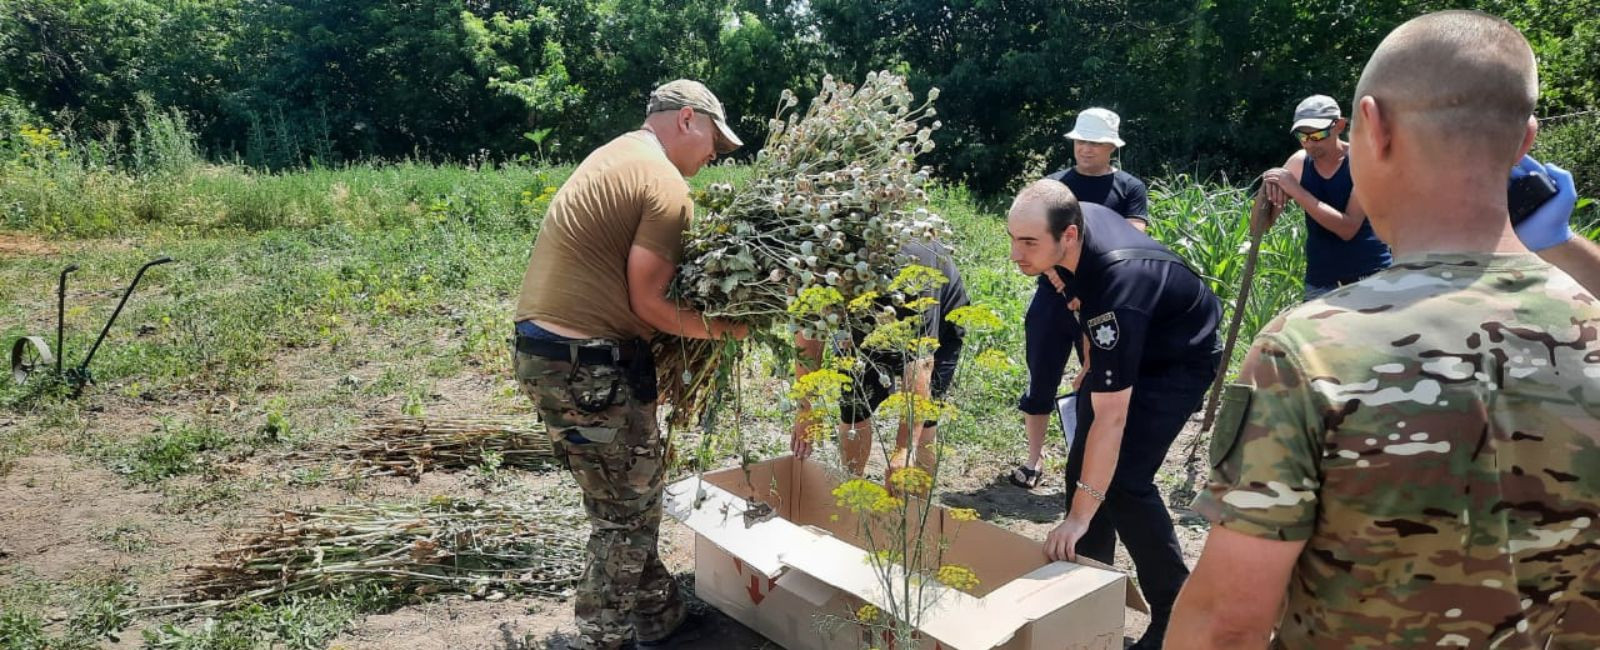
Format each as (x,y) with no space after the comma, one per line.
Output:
(1415,459)
(594,291)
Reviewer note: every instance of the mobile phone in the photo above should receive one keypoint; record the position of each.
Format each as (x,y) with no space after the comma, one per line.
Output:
(1526,194)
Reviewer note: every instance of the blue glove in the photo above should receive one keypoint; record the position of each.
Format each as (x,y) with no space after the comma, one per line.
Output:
(1550,224)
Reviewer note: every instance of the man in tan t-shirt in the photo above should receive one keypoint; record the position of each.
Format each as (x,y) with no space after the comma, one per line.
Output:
(595,290)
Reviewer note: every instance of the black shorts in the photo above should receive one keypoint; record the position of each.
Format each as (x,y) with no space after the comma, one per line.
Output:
(873,385)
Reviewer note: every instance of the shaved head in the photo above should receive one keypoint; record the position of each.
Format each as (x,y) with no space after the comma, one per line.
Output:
(1461,84)
(1054,200)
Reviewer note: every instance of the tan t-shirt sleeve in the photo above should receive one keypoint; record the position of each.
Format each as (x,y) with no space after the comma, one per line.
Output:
(665,213)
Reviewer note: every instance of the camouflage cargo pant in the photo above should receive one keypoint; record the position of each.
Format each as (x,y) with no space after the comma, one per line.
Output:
(616,455)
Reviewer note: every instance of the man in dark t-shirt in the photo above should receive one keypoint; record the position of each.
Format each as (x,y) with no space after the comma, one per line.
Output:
(1050,327)
(1152,351)
(1093,178)
(1341,247)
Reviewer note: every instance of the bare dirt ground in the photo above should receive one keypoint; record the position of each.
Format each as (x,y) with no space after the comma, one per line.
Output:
(66,518)
(979,484)
(19,244)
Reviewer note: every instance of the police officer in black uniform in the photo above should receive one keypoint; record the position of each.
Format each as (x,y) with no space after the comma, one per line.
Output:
(1150,326)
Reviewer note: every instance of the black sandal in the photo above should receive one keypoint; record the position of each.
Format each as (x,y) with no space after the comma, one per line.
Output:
(1026,477)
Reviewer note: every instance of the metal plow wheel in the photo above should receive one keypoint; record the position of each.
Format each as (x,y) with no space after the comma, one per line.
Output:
(29,355)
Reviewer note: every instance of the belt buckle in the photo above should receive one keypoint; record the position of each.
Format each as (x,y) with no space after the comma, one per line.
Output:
(599,345)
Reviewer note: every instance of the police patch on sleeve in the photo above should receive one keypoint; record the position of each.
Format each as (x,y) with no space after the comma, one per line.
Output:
(1103,331)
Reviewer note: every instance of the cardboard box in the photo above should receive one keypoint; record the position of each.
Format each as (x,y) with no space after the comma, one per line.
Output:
(791,568)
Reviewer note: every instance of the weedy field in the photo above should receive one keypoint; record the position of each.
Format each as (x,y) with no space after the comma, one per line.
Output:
(303,308)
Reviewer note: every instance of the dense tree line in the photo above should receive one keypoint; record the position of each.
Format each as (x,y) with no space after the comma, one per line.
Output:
(1203,85)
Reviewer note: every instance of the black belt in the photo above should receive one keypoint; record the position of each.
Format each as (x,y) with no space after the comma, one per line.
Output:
(575,352)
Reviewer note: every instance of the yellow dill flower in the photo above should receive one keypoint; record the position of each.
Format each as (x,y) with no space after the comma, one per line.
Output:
(816,431)
(892,336)
(910,406)
(976,319)
(922,304)
(863,302)
(911,479)
(958,577)
(815,301)
(993,360)
(859,495)
(885,557)
(963,514)
(917,279)
(868,613)
(844,364)
(825,384)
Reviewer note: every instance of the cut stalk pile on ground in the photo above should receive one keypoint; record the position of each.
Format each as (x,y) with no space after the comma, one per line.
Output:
(410,446)
(446,545)
(832,197)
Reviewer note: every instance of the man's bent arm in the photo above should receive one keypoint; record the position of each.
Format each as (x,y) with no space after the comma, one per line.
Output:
(1344,224)
(649,274)
(1101,450)
(1579,258)
(1234,597)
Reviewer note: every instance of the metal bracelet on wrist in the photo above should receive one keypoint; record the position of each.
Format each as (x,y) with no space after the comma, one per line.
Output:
(1098,495)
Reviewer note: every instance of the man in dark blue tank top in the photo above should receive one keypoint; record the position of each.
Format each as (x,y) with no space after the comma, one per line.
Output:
(1341,247)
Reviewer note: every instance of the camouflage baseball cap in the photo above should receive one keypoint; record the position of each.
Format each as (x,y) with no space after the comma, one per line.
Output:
(685,93)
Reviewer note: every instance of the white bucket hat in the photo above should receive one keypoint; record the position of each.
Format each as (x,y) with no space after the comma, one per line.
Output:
(1096,125)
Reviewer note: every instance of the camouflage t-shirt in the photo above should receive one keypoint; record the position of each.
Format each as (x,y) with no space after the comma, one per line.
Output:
(1433,434)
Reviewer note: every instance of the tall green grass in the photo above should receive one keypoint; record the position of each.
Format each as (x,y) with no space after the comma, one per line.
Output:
(1208,224)
(335,261)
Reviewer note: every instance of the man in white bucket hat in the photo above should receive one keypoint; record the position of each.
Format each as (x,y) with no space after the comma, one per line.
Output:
(1093,178)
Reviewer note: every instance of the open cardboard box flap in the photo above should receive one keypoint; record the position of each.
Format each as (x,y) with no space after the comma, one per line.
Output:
(959,620)
(779,518)
(756,538)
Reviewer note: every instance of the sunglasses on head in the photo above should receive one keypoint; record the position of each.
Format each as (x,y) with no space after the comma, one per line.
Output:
(1314,136)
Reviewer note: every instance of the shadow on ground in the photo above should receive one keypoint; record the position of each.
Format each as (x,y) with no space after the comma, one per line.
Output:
(719,633)
(1002,500)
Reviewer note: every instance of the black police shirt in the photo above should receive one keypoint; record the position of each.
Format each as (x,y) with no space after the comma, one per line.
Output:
(1140,316)
(1120,191)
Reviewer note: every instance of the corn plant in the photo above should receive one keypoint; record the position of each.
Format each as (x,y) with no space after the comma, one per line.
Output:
(1209,226)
